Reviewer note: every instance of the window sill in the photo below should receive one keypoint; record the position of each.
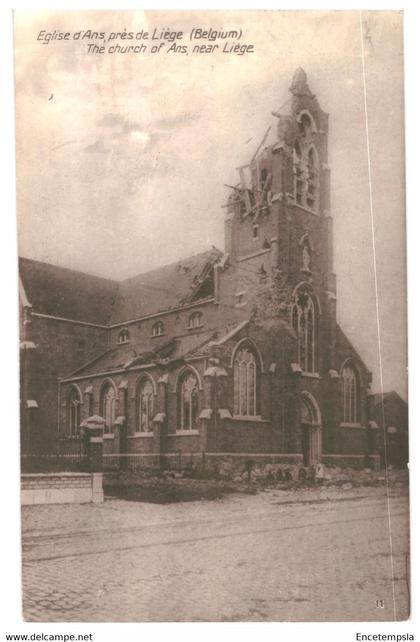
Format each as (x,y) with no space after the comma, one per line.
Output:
(156,336)
(311,375)
(183,433)
(142,435)
(196,327)
(108,435)
(122,343)
(256,418)
(345,424)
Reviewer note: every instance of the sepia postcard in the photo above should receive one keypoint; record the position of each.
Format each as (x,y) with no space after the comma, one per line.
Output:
(212,292)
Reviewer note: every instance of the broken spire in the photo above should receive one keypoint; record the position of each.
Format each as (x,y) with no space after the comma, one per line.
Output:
(299,86)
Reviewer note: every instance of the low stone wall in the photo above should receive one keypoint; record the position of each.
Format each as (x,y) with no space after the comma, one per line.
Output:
(254,466)
(231,465)
(61,488)
(234,464)
(352,461)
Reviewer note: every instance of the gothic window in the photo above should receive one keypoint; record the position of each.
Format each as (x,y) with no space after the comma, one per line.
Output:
(312,192)
(306,413)
(306,172)
(145,406)
(123,336)
(157,329)
(188,394)
(350,391)
(264,186)
(299,175)
(73,413)
(195,320)
(245,377)
(304,324)
(305,125)
(108,399)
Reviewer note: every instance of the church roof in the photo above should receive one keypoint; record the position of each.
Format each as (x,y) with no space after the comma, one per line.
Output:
(163,351)
(166,287)
(142,353)
(342,337)
(379,397)
(68,294)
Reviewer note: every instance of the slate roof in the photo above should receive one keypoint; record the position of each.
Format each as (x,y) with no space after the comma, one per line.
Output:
(130,355)
(69,294)
(163,351)
(343,337)
(377,398)
(162,289)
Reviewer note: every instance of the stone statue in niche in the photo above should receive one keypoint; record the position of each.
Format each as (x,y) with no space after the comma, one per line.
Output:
(306,259)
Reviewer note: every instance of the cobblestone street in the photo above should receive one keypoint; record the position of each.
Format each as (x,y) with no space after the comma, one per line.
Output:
(317,555)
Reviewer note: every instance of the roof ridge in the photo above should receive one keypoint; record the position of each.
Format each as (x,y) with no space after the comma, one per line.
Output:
(120,281)
(173,263)
(51,289)
(68,269)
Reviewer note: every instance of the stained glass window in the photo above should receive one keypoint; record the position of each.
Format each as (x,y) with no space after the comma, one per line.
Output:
(303,320)
(350,395)
(145,406)
(245,383)
(189,401)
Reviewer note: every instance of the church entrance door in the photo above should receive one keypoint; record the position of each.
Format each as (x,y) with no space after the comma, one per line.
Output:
(310,420)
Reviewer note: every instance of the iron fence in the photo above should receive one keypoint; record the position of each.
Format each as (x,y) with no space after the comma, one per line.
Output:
(54,463)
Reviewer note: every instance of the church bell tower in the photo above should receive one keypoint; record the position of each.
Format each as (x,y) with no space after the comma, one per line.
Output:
(278,215)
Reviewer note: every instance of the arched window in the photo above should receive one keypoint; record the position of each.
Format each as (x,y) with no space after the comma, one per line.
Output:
(188,397)
(73,413)
(195,320)
(145,396)
(300,181)
(304,324)
(108,399)
(305,125)
(245,383)
(312,191)
(307,415)
(157,329)
(263,177)
(124,336)
(306,171)
(350,391)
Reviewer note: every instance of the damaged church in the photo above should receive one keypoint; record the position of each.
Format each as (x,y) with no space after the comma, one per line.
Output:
(233,351)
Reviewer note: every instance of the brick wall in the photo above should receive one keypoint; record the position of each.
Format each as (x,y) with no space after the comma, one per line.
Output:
(175,324)
(278,428)
(57,488)
(61,347)
(245,436)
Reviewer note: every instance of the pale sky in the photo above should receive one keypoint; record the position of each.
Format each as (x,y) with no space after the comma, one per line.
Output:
(122,170)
